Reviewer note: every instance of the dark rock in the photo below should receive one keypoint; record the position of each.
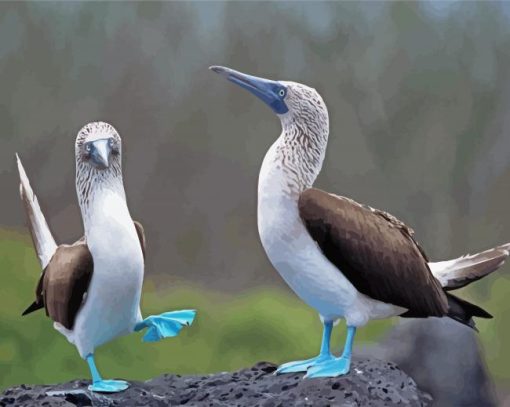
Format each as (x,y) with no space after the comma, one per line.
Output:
(443,357)
(371,382)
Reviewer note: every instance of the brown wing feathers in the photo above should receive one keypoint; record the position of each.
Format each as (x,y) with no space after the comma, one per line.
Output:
(375,251)
(65,281)
(141,236)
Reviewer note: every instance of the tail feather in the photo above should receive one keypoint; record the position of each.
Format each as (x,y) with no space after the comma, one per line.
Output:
(463,311)
(457,273)
(32,307)
(44,243)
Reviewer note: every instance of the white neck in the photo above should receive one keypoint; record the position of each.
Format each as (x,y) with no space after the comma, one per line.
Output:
(294,161)
(102,200)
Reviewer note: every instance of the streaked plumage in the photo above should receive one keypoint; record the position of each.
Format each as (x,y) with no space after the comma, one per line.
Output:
(344,259)
(92,288)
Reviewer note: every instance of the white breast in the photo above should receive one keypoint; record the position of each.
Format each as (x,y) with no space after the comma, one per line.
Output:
(111,308)
(298,259)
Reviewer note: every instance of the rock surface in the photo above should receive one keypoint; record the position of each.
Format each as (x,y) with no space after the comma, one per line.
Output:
(370,383)
(443,357)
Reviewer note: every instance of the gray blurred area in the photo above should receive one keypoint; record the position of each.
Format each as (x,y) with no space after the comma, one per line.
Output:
(443,357)
(418,95)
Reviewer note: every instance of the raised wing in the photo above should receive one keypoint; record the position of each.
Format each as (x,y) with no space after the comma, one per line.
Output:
(375,251)
(44,243)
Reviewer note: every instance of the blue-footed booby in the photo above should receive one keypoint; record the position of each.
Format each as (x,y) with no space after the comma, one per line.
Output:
(91,289)
(347,260)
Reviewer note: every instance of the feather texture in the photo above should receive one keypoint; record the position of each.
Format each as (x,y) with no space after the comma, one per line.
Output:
(44,242)
(457,273)
(375,251)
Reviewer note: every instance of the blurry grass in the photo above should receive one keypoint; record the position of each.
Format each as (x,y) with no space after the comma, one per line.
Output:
(230,332)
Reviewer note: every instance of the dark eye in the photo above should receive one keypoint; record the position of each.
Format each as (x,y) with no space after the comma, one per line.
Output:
(113,146)
(88,148)
(281,92)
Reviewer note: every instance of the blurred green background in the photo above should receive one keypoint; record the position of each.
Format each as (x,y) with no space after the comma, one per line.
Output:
(418,95)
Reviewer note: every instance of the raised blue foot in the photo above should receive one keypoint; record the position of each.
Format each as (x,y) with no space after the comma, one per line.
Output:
(109,386)
(100,385)
(336,366)
(165,325)
(304,365)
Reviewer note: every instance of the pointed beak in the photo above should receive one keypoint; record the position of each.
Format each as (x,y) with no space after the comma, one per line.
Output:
(100,153)
(265,89)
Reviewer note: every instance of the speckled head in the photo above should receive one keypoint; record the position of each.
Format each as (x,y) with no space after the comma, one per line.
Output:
(98,144)
(291,101)
(98,159)
(305,105)
(301,147)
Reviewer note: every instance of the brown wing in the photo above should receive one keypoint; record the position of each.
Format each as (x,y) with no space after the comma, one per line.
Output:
(375,251)
(141,236)
(64,282)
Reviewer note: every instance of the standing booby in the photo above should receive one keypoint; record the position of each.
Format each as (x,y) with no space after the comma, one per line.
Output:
(344,259)
(91,289)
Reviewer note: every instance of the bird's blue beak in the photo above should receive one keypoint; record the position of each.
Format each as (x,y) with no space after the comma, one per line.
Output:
(100,153)
(272,93)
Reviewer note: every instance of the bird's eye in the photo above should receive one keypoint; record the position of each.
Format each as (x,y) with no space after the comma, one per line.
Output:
(88,148)
(110,142)
(281,92)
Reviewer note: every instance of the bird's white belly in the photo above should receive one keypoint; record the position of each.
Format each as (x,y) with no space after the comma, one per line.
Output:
(286,171)
(111,308)
(303,266)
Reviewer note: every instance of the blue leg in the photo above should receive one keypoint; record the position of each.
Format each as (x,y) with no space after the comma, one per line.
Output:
(103,386)
(165,325)
(336,366)
(324,355)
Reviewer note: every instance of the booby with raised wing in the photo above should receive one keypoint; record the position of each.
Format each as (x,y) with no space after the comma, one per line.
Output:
(345,259)
(91,289)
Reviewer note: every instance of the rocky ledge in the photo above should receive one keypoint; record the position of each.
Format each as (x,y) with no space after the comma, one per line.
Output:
(370,383)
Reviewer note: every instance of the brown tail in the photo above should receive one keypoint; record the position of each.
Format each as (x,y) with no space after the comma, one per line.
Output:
(33,307)
(463,311)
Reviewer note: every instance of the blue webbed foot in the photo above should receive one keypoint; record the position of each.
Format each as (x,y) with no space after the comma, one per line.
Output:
(165,325)
(100,385)
(332,368)
(303,365)
(108,386)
